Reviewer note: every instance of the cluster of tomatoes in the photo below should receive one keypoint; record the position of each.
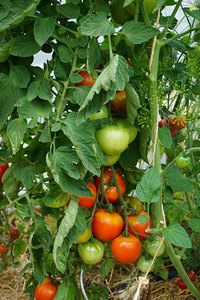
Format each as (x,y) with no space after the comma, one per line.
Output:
(175,123)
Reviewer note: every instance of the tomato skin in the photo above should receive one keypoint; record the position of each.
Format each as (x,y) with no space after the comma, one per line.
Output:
(149,5)
(181,284)
(45,291)
(134,203)
(102,114)
(3,249)
(132,130)
(112,159)
(143,264)
(192,275)
(15,233)
(119,102)
(121,14)
(139,227)
(3,168)
(84,237)
(91,253)
(112,139)
(87,79)
(126,249)
(164,122)
(182,161)
(177,122)
(106,226)
(111,192)
(88,202)
(152,246)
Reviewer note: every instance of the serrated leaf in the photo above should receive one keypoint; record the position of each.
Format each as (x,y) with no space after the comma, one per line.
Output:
(16,130)
(65,54)
(64,228)
(19,247)
(165,137)
(56,201)
(177,181)
(43,29)
(11,184)
(41,236)
(177,235)
(33,90)
(93,54)
(96,25)
(69,10)
(148,188)
(4,50)
(66,291)
(24,173)
(45,136)
(132,103)
(129,158)
(195,224)
(25,46)
(20,76)
(137,32)
(106,266)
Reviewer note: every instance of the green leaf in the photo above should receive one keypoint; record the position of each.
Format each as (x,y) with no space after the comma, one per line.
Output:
(25,46)
(112,79)
(37,261)
(193,13)
(33,90)
(43,29)
(19,247)
(24,211)
(56,199)
(75,78)
(85,144)
(129,158)
(142,219)
(45,136)
(64,228)
(165,137)
(11,184)
(96,25)
(9,96)
(66,291)
(20,76)
(16,130)
(127,2)
(24,173)
(93,54)
(41,236)
(132,103)
(65,54)
(69,10)
(138,33)
(148,188)
(39,88)
(144,139)
(4,50)
(177,235)
(106,266)
(177,181)
(195,224)
(56,127)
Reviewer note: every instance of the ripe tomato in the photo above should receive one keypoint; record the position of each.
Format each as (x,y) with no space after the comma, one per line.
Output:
(84,237)
(119,102)
(91,253)
(3,249)
(111,192)
(102,114)
(139,227)
(181,284)
(132,130)
(126,249)
(121,14)
(177,122)
(87,79)
(3,168)
(46,290)
(15,234)
(192,275)
(88,202)
(112,139)
(106,226)
(183,161)
(165,123)
(134,203)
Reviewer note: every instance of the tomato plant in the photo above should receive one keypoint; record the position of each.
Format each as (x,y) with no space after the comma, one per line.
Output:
(91,252)
(126,249)
(152,246)
(87,79)
(3,249)
(132,130)
(140,228)
(119,102)
(15,233)
(112,139)
(109,187)
(106,226)
(134,203)
(3,168)
(173,152)
(177,122)
(183,160)
(88,202)
(84,237)
(143,264)
(46,290)
(102,114)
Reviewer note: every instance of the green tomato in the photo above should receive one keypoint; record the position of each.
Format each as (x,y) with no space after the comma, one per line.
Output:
(91,253)
(134,203)
(84,237)
(152,246)
(143,264)
(102,114)
(149,5)
(112,159)
(121,14)
(132,130)
(112,139)
(170,152)
(183,161)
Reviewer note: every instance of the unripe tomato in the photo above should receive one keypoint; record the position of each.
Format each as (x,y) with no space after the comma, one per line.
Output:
(46,290)
(88,202)
(132,130)
(87,79)
(106,226)
(170,152)
(91,253)
(143,264)
(84,237)
(119,102)
(152,246)
(134,203)
(183,161)
(121,14)
(3,249)
(149,5)
(126,249)
(112,139)
(3,168)
(111,191)
(102,114)
(112,159)
(140,228)
(15,233)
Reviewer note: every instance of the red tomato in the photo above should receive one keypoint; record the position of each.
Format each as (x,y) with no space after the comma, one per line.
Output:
(46,290)
(126,249)
(192,275)
(15,234)
(111,192)
(164,122)
(119,102)
(3,249)
(181,284)
(3,168)
(139,227)
(106,226)
(88,202)
(177,122)
(88,80)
